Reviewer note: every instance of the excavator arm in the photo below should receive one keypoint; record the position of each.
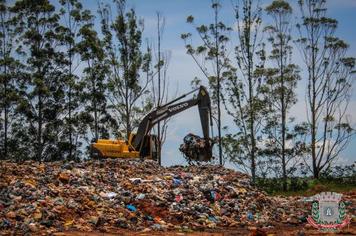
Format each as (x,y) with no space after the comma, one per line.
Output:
(172,108)
(140,143)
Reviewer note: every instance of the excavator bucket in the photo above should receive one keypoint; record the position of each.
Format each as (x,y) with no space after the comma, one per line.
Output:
(195,148)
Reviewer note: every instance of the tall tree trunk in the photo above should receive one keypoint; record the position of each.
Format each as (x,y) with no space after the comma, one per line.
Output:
(70,87)
(218,84)
(70,103)
(313,107)
(39,130)
(6,115)
(96,126)
(40,118)
(6,121)
(159,89)
(251,101)
(313,140)
(128,126)
(284,167)
(252,134)
(283,110)
(252,120)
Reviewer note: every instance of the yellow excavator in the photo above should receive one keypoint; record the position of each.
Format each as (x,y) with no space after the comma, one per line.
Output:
(143,144)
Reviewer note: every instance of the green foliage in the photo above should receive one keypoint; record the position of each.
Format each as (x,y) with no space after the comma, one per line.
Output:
(305,186)
(275,185)
(279,7)
(54,109)
(190,19)
(73,18)
(336,179)
(8,84)
(122,47)
(38,29)
(94,118)
(348,172)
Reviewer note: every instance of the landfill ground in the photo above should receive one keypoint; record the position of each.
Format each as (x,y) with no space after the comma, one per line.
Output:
(250,231)
(121,197)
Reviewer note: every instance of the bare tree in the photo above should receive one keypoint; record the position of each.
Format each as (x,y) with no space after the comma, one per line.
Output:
(329,82)
(155,65)
(160,88)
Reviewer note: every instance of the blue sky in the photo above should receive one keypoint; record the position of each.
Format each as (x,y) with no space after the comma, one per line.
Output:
(182,68)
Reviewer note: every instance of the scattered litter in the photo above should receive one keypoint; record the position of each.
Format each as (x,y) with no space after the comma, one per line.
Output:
(104,195)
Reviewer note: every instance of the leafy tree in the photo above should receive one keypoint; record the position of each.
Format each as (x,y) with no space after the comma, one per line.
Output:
(94,118)
(280,86)
(8,88)
(213,48)
(43,91)
(73,17)
(329,83)
(127,86)
(243,100)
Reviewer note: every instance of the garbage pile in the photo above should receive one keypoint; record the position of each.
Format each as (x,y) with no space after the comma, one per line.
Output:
(195,148)
(110,195)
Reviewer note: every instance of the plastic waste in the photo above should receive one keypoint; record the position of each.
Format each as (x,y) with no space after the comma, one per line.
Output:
(140,196)
(131,208)
(176,182)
